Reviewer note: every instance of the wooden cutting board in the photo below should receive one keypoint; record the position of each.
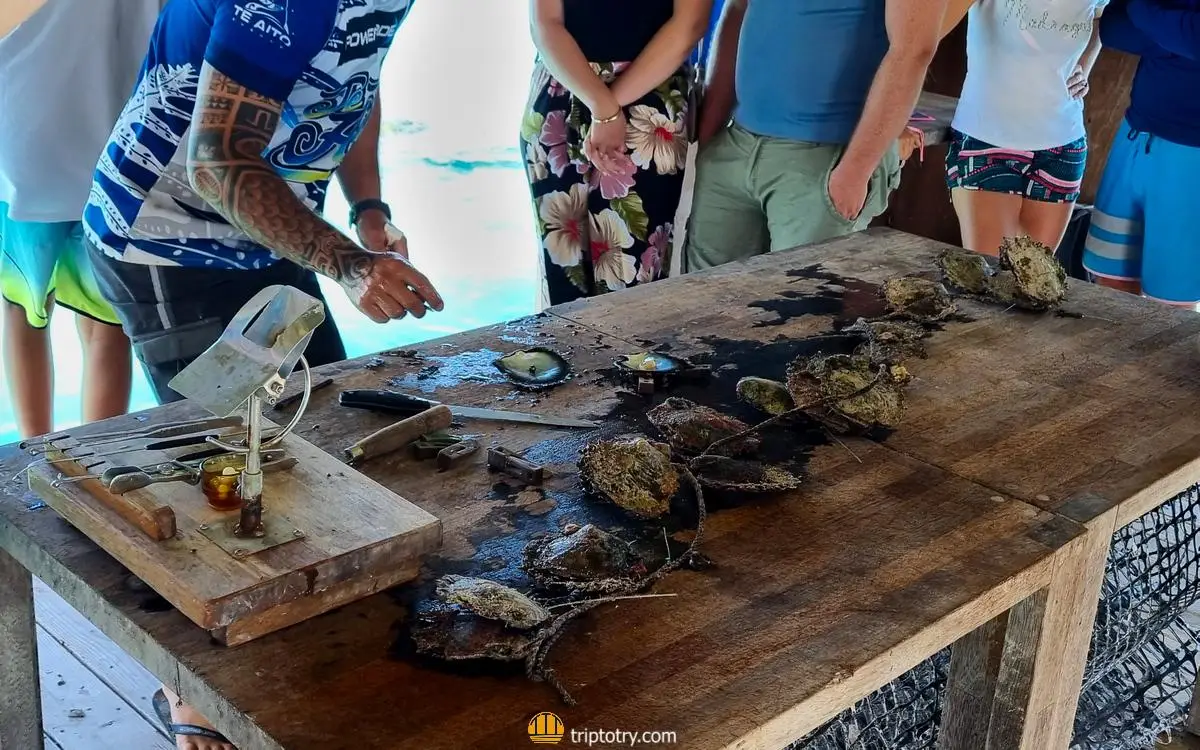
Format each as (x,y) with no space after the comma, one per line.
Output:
(336,536)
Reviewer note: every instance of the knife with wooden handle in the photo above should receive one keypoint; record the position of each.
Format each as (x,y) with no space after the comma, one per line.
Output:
(400,434)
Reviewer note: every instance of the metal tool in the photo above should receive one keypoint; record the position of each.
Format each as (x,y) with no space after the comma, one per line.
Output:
(429,446)
(450,455)
(136,480)
(287,401)
(249,366)
(393,402)
(175,429)
(400,434)
(504,460)
(106,476)
(108,455)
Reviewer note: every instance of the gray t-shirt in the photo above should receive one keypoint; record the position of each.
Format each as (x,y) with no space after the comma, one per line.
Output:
(65,75)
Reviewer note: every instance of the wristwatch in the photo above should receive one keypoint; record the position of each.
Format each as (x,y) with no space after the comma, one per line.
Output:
(367,205)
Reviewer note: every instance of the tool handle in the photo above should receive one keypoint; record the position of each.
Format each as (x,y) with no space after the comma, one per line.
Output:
(400,434)
(136,480)
(385,402)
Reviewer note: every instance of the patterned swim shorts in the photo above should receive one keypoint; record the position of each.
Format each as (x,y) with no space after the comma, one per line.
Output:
(1052,175)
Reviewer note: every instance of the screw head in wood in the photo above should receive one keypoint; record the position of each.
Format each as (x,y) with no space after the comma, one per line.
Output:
(239,552)
(203,527)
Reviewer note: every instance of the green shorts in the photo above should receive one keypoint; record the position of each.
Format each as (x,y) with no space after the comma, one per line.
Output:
(40,260)
(755,194)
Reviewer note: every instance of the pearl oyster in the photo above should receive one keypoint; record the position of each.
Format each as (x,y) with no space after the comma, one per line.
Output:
(452,633)
(917,298)
(691,428)
(733,475)
(966,270)
(534,368)
(492,601)
(889,340)
(1039,281)
(632,473)
(768,396)
(849,392)
(588,555)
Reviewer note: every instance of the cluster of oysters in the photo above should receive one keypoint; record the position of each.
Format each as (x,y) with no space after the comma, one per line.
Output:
(1028,276)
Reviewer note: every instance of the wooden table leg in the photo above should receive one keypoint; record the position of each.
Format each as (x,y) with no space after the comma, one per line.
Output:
(1192,726)
(1015,682)
(20,690)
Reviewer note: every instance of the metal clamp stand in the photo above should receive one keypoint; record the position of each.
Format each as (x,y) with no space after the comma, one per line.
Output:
(244,370)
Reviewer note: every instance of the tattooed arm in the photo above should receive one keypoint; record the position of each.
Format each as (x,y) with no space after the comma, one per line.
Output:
(231,128)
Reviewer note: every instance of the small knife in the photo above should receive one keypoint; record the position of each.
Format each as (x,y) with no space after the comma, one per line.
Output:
(393,402)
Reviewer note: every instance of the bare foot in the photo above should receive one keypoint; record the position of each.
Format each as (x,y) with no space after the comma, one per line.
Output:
(181,713)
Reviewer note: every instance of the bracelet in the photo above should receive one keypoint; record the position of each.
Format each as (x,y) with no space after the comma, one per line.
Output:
(606,120)
(367,205)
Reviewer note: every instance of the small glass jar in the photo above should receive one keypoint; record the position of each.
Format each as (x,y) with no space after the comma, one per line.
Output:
(220,479)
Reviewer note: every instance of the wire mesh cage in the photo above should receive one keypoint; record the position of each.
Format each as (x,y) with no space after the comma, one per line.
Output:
(1141,668)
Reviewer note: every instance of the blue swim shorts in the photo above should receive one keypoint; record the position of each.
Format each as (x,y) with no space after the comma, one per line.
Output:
(1141,227)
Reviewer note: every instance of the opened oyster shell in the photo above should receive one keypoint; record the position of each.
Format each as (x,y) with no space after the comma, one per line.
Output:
(917,297)
(849,391)
(889,340)
(632,473)
(492,601)
(649,362)
(691,428)
(965,270)
(589,554)
(534,368)
(1039,281)
(769,396)
(453,633)
(733,475)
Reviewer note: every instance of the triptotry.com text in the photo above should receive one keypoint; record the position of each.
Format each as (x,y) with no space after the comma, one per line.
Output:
(619,738)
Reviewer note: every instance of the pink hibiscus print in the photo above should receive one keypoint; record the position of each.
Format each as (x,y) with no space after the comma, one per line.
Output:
(615,184)
(554,136)
(652,257)
(555,88)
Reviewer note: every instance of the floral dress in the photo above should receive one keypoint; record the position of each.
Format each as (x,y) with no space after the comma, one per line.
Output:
(600,231)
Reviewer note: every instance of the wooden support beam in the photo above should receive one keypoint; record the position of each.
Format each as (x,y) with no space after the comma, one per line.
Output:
(21,707)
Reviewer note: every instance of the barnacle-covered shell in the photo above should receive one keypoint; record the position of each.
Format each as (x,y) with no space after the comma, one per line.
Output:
(850,390)
(917,297)
(587,554)
(534,368)
(632,473)
(768,396)
(889,340)
(965,270)
(733,475)
(1041,281)
(452,633)
(492,601)
(691,428)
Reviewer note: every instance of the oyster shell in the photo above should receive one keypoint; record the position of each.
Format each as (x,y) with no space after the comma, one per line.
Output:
(732,475)
(649,362)
(769,396)
(965,270)
(830,384)
(492,601)
(586,554)
(1040,280)
(632,473)
(917,297)
(453,633)
(691,428)
(534,368)
(889,340)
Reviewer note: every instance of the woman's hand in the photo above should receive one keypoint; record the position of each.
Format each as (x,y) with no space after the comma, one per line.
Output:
(606,142)
(1077,84)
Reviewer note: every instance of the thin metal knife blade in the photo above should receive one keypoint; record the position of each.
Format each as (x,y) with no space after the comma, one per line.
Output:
(498,415)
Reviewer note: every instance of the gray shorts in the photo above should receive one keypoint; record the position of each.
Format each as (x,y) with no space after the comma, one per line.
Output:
(172,314)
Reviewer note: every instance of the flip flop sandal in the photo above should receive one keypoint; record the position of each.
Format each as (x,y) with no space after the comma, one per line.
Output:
(163,709)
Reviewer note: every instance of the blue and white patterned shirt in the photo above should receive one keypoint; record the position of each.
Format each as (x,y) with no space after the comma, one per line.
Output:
(322,58)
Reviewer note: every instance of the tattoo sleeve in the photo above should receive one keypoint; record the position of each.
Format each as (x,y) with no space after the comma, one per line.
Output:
(231,128)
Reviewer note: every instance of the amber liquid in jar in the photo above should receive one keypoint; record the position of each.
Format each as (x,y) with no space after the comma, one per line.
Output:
(220,480)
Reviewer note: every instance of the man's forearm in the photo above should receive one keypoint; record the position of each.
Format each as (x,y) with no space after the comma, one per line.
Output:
(889,107)
(720,92)
(359,170)
(226,169)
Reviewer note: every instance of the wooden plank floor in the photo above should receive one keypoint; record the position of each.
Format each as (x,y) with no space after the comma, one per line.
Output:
(94,697)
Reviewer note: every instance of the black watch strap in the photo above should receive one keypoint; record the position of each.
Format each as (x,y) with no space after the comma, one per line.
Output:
(367,205)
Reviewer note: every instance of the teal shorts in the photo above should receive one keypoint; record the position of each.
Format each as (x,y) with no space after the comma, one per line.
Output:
(40,261)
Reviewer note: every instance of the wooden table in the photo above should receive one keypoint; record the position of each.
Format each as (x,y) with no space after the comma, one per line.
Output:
(816,599)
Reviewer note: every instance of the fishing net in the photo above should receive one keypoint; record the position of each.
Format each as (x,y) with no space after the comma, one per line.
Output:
(1140,672)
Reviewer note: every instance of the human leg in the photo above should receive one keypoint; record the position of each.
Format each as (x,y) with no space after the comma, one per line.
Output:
(190,729)
(1112,253)
(791,182)
(986,184)
(29,372)
(1055,177)
(727,222)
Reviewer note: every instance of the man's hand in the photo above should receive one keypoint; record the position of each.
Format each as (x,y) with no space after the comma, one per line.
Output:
(848,191)
(372,229)
(385,286)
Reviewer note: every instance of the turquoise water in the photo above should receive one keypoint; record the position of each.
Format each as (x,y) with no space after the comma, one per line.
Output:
(454,89)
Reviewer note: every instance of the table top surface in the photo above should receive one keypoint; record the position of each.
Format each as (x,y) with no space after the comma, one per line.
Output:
(822,594)
(941,109)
